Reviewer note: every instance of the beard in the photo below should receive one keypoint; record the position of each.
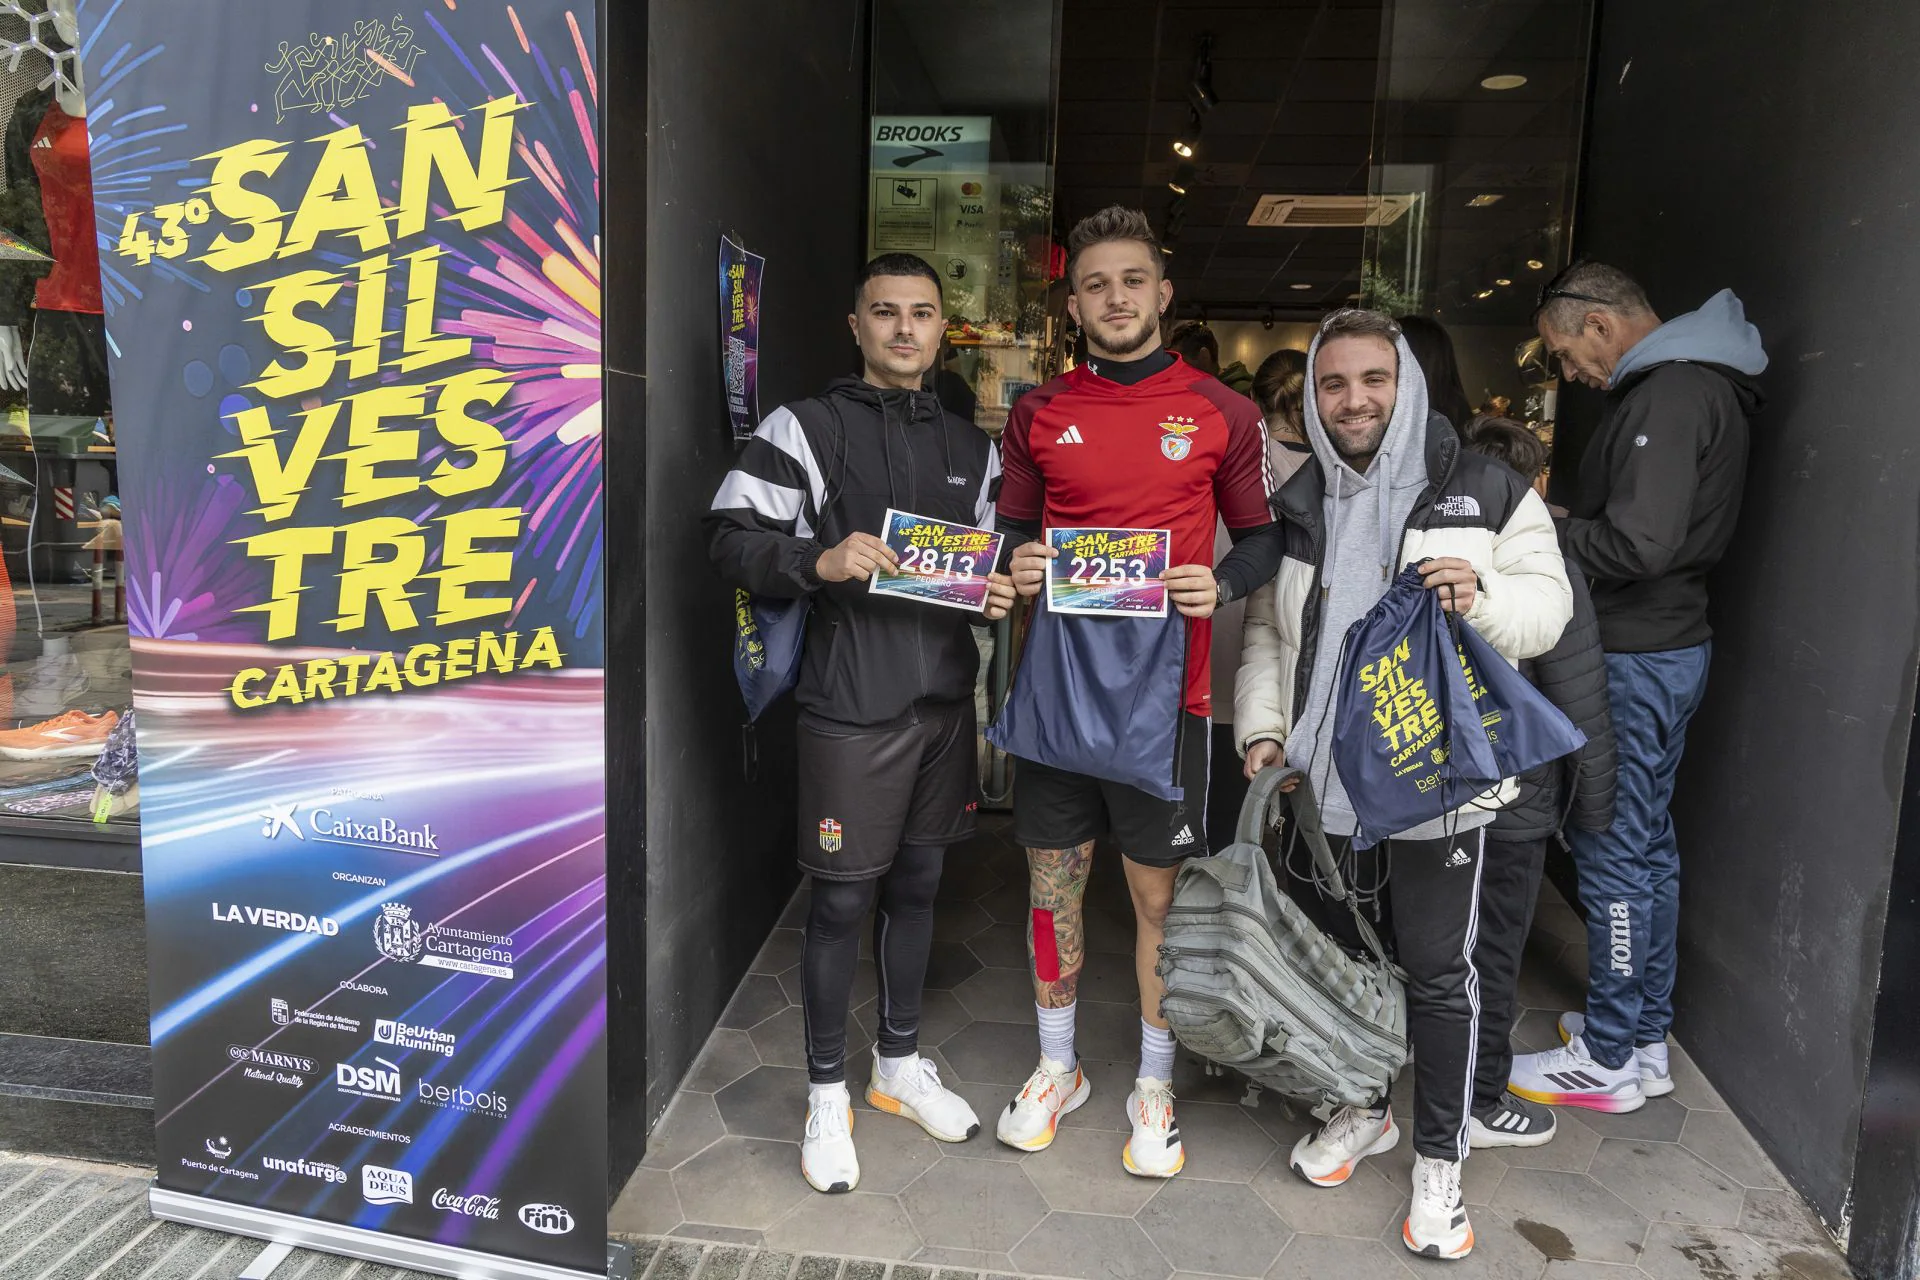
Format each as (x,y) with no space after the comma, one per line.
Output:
(1119,342)
(1362,442)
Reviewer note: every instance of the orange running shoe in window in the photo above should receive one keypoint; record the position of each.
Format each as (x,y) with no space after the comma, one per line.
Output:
(74,733)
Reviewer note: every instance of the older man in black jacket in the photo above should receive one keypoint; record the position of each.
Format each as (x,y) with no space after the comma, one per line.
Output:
(1578,788)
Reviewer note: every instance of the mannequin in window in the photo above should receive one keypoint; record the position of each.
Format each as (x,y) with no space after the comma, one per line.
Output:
(49,202)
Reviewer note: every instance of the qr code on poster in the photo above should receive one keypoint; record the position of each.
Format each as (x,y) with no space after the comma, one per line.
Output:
(736,369)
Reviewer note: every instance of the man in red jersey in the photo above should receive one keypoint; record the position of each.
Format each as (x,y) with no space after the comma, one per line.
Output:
(1134,438)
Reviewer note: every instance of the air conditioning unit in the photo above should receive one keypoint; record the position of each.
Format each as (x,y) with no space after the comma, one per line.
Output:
(1329,211)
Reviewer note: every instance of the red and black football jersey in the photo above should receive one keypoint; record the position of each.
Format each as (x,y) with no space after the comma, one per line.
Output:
(1178,450)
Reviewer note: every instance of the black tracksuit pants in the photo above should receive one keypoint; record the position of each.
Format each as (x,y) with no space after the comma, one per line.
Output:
(1509,888)
(1430,908)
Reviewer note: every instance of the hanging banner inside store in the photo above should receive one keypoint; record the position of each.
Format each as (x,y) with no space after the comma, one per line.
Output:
(352,268)
(740,334)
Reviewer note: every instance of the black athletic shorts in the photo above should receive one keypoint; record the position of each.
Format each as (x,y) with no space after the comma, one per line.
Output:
(864,793)
(1053,809)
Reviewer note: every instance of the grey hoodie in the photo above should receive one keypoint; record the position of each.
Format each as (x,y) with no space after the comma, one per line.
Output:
(1365,517)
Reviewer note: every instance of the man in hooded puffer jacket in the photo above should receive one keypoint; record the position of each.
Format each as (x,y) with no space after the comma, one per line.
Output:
(1389,485)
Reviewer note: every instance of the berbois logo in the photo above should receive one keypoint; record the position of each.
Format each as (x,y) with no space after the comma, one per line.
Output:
(400,937)
(405,1035)
(267,918)
(461,1098)
(330,827)
(385,1186)
(285,1015)
(304,1168)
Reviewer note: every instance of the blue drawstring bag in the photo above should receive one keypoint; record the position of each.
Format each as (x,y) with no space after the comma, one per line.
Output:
(768,635)
(1524,730)
(1100,697)
(1429,715)
(1400,699)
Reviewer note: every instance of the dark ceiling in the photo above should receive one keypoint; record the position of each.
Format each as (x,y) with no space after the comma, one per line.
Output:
(1303,109)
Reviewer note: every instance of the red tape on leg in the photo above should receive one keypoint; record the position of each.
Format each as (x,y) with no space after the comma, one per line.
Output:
(1046,955)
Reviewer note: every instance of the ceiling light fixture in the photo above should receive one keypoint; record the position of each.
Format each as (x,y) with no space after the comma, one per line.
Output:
(1503,282)
(1300,286)
(1173,185)
(1200,86)
(1189,140)
(1534,264)
(1266,320)
(1503,82)
(1482,201)
(1484,294)
(1182,179)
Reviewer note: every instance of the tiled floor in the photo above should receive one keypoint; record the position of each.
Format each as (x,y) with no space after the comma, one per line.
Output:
(1675,1191)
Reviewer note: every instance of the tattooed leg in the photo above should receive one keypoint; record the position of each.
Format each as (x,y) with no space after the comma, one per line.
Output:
(1056,939)
(1152,890)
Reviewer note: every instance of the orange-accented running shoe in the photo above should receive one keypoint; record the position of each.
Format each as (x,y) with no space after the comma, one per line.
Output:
(70,734)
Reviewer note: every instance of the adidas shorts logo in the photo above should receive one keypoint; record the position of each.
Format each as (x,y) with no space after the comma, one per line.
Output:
(1185,836)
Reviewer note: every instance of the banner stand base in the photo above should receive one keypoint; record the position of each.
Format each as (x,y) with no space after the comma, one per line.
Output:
(369,1246)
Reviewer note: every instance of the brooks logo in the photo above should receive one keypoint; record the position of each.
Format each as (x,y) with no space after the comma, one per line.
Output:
(1070,436)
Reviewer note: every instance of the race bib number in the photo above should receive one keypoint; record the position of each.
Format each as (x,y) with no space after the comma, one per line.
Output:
(1115,572)
(940,562)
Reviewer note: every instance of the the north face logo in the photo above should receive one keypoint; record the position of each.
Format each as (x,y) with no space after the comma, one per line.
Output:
(1460,506)
(1185,836)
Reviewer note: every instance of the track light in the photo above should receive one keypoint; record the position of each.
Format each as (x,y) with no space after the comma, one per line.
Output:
(1484,294)
(1182,178)
(1503,282)
(1534,264)
(1188,142)
(1200,86)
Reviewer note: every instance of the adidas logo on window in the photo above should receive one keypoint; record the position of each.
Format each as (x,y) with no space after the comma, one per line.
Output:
(1185,836)
(1070,436)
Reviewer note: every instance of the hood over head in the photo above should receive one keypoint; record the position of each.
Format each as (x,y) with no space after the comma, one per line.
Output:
(1400,465)
(1718,334)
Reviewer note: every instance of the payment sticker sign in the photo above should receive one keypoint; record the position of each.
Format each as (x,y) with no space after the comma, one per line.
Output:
(1115,572)
(940,562)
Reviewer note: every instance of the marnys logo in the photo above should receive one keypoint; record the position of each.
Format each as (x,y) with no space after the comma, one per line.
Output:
(475,1206)
(331,828)
(547,1219)
(368,1082)
(271,1067)
(405,1035)
(402,938)
(385,1186)
(268,918)
(460,1098)
(285,1015)
(305,1168)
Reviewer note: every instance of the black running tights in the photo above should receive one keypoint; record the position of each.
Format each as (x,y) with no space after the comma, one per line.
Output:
(902,939)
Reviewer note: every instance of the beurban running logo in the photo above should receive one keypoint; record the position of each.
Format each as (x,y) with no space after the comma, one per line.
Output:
(406,1035)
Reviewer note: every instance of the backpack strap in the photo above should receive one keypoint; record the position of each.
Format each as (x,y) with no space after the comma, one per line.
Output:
(1261,796)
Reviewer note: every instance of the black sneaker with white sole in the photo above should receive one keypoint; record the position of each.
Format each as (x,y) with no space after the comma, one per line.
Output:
(1511,1122)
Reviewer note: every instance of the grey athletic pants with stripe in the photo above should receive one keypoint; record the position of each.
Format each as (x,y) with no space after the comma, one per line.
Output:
(1431,910)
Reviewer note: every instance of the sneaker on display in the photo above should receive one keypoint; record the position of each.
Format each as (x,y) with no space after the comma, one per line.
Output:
(827,1160)
(1329,1157)
(74,734)
(53,683)
(1656,1069)
(1437,1225)
(1570,1077)
(915,1092)
(1154,1150)
(1511,1122)
(1032,1118)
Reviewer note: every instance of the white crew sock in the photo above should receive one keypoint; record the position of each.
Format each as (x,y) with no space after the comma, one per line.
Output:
(890,1067)
(1156,1052)
(821,1094)
(1056,1034)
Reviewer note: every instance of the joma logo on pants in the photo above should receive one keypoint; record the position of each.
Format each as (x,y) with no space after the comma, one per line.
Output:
(1620,929)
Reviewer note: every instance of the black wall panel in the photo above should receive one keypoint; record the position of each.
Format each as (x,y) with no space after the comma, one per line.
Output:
(757,125)
(1769,147)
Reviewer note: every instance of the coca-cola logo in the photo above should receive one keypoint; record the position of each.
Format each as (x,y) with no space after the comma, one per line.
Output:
(487,1207)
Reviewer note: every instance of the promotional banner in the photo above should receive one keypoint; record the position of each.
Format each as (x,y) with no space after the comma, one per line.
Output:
(740,335)
(351,261)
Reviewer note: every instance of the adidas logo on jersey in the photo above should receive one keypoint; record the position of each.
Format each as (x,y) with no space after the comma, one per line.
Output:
(1070,436)
(1459,858)
(1185,836)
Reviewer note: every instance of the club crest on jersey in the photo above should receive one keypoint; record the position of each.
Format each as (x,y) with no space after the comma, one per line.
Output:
(829,835)
(1174,442)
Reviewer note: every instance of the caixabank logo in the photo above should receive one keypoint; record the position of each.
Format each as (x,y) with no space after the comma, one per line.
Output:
(401,938)
(327,825)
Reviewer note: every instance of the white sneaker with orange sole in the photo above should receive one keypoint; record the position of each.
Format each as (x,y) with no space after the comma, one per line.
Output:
(1329,1157)
(1154,1150)
(1033,1117)
(915,1092)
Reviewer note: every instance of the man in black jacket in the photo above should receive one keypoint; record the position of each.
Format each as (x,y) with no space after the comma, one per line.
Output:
(1658,494)
(887,734)
(1573,676)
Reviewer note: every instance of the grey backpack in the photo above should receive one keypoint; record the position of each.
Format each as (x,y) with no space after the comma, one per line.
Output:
(1255,985)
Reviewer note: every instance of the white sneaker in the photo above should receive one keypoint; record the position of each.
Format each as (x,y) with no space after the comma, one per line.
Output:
(1511,1122)
(1030,1120)
(1437,1225)
(1154,1150)
(1569,1077)
(915,1092)
(1329,1157)
(1656,1071)
(827,1160)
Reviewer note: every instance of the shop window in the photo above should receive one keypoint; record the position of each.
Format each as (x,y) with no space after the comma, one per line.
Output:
(66,751)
